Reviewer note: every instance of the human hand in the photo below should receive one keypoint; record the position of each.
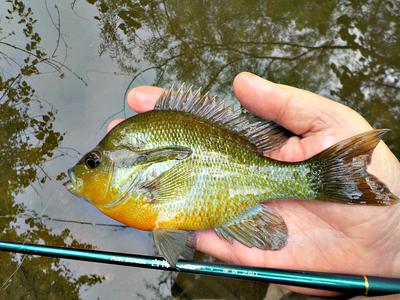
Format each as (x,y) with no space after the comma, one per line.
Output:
(325,237)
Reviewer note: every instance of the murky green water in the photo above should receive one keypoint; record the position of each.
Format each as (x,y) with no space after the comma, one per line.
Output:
(64,69)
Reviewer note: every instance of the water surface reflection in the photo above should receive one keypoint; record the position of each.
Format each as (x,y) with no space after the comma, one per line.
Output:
(65,66)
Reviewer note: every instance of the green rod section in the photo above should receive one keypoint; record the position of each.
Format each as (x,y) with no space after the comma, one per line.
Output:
(348,284)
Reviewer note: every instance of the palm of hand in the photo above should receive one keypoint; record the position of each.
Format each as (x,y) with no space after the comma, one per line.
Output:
(322,236)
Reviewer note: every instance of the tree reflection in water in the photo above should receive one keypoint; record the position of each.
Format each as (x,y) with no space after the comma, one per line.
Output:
(27,141)
(346,50)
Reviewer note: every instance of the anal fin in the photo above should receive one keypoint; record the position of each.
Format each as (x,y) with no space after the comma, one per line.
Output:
(172,244)
(260,227)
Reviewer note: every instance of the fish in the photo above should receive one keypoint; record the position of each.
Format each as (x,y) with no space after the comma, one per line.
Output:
(196,163)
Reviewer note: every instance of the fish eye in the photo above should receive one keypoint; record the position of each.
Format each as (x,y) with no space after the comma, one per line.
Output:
(93,159)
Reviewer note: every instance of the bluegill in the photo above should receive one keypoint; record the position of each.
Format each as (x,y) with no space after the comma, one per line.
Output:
(193,163)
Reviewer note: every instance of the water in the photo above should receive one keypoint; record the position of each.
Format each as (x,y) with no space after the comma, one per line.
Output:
(66,65)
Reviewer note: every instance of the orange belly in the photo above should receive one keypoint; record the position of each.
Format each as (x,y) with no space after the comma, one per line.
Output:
(134,213)
(138,213)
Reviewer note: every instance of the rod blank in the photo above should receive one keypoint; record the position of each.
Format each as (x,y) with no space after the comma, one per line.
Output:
(348,284)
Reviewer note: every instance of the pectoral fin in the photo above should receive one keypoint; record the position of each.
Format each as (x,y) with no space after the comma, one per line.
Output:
(172,244)
(260,227)
(161,175)
(170,185)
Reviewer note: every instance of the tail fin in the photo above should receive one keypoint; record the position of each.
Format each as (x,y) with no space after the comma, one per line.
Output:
(343,174)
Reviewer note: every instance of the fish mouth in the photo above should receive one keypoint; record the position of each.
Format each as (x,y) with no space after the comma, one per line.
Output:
(71,184)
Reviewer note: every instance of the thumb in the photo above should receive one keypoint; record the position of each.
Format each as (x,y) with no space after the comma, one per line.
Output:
(298,110)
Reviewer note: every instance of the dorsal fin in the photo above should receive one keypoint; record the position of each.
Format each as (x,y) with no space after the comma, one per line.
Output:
(265,135)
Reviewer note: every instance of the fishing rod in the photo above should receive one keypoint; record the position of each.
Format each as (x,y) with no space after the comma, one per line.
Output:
(344,283)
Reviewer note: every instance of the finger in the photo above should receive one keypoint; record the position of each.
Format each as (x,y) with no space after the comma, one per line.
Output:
(143,98)
(295,109)
(114,123)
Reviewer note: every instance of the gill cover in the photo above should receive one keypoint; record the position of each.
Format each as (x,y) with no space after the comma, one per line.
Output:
(135,171)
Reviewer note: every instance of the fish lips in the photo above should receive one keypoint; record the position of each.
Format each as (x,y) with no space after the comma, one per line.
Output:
(72,184)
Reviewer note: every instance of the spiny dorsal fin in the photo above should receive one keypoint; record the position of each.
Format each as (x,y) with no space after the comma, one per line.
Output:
(265,135)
